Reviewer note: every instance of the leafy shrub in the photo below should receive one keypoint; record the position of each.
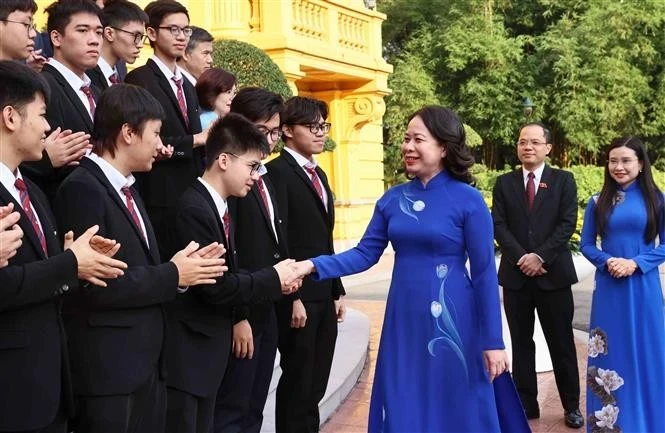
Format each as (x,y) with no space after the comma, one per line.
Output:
(250,65)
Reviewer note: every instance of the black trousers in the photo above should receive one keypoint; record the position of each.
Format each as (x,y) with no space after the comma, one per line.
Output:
(306,359)
(187,413)
(555,310)
(58,425)
(144,410)
(244,390)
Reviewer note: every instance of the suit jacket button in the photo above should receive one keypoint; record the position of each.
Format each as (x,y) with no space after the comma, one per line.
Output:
(64,288)
(276,256)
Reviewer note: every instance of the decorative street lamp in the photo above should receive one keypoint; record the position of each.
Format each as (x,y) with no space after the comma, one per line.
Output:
(527,107)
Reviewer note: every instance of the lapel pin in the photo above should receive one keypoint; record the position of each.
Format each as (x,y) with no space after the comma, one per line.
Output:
(542,185)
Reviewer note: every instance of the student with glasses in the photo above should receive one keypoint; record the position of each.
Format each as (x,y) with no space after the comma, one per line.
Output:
(124,26)
(168,32)
(627,338)
(260,241)
(17,29)
(201,320)
(216,89)
(535,214)
(308,320)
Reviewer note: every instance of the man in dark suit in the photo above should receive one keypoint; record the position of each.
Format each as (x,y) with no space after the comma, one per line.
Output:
(201,319)
(124,26)
(168,31)
(75,31)
(34,370)
(260,242)
(307,322)
(535,213)
(120,331)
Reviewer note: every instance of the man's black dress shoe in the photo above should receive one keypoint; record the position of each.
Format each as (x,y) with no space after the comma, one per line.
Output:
(574,419)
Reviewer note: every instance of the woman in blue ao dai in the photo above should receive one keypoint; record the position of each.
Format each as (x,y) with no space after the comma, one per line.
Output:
(626,366)
(441,344)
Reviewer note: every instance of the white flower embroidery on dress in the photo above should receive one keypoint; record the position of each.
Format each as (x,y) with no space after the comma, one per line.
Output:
(596,345)
(609,379)
(418,205)
(436,309)
(607,416)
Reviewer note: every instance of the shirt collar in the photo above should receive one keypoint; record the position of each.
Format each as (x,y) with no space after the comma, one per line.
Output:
(169,74)
(107,70)
(117,179)
(220,203)
(74,80)
(187,75)
(301,160)
(7,178)
(537,173)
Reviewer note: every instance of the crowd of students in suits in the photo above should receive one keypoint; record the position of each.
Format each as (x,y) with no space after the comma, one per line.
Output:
(145,261)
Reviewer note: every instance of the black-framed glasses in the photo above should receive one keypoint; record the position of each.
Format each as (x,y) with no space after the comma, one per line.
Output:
(254,166)
(316,127)
(176,30)
(28,26)
(139,38)
(274,134)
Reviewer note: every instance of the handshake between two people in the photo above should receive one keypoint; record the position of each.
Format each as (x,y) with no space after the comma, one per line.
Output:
(291,274)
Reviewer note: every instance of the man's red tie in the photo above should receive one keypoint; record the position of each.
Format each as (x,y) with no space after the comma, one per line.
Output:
(530,189)
(316,182)
(181,99)
(113,78)
(91,99)
(226,220)
(264,196)
(27,208)
(132,209)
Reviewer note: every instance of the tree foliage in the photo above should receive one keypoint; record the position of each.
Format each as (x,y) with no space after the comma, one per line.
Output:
(595,69)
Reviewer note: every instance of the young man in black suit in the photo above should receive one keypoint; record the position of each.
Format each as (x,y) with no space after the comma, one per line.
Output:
(260,242)
(201,319)
(124,26)
(308,322)
(117,336)
(535,213)
(34,370)
(168,32)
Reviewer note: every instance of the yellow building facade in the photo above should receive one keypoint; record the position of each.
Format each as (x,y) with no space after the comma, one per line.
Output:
(327,49)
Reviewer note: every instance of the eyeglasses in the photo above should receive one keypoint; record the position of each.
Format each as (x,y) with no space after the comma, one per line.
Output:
(139,38)
(524,143)
(274,134)
(316,127)
(623,161)
(254,166)
(176,30)
(28,26)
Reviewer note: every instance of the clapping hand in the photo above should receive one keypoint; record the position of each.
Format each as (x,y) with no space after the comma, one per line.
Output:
(10,233)
(94,266)
(164,152)
(199,266)
(66,147)
(619,268)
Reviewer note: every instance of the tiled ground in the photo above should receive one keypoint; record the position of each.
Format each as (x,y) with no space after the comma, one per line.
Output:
(351,417)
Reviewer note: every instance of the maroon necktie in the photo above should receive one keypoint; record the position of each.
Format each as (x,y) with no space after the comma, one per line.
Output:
(27,208)
(227,227)
(113,78)
(311,169)
(264,196)
(91,99)
(132,209)
(530,189)
(181,99)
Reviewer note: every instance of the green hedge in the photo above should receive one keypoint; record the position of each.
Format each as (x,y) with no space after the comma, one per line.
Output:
(250,65)
(589,181)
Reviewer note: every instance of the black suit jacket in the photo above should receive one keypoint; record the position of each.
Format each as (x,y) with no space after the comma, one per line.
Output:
(169,178)
(256,245)
(200,320)
(34,371)
(309,227)
(64,110)
(545,230)
(116,334)
(97,77)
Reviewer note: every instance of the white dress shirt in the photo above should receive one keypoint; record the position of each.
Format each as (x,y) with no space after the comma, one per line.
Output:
(8,179)
(302,162)
(220,203)
(74,81)
(169,74)
(537,175)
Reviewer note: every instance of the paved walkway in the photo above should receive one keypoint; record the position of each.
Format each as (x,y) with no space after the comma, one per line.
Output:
(366,293)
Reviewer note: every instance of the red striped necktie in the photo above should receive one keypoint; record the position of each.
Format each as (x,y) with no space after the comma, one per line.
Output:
(28,209)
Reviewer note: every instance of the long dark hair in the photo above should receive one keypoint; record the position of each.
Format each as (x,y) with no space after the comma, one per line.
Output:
(653,197)
(447,128)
